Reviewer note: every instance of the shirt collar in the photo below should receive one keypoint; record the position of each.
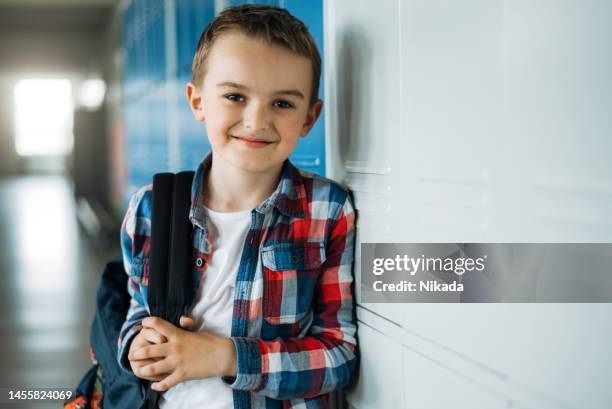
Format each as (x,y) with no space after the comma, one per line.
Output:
(289,197)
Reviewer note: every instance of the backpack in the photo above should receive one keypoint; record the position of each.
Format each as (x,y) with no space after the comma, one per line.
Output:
(106,385)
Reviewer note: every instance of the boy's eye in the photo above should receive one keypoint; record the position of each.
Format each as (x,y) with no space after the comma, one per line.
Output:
(234,97)
(281,103)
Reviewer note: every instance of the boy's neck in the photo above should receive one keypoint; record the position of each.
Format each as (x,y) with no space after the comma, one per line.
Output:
(228,189)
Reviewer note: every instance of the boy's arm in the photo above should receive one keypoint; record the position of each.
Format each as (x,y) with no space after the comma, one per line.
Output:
(132,235)
(323,361)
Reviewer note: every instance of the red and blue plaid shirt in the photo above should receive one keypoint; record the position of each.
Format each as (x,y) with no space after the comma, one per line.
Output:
(293,323)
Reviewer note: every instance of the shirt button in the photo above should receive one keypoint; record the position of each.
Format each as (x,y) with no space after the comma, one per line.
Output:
(199,262)
(295,259)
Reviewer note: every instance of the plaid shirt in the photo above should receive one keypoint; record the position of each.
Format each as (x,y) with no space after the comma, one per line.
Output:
(293,323)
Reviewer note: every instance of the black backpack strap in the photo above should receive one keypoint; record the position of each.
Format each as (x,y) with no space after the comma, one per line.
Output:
(170,267)
(171,276)
(161,213)
(180,266)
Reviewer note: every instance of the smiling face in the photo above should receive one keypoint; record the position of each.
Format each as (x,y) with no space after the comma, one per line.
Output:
(254,100)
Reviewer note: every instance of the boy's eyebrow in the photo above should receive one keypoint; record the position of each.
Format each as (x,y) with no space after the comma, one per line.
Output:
(293,92)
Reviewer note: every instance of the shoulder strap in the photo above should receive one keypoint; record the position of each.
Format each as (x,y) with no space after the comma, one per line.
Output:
(170,260)
(170,291)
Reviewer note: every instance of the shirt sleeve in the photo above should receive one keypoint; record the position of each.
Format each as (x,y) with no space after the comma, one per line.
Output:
(289,368)
(134,233)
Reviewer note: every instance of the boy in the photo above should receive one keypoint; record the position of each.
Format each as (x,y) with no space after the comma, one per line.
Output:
(272,324)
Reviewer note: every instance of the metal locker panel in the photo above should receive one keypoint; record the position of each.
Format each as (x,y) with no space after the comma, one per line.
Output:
(139,49)
(557,109)
(310,152)
(156,60)
(362,78)
(149,42)
(364,100)
(147,47)
(153,47)
(159,42)
(380,380)
(127,31)
(183,30)
(451,116)
(558,350)
(429,385)
(157,117)
(128,41)
(363,106)
(142,43)
(270,2)
(204,12)
(488,142)
(231,3)
(192,18)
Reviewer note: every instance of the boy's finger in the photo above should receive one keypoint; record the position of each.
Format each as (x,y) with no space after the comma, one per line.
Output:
(156,368)
(173,379)
(139,340)
(160,325)
(136,363)
(186,322)
(153,336)
(155,378)
(142,362)
(149,352)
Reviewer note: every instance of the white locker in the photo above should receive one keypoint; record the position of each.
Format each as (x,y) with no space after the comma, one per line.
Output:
(478,121)
(431,385)
(382,385)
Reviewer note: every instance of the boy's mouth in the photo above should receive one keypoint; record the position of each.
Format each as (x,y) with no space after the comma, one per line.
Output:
(252,142)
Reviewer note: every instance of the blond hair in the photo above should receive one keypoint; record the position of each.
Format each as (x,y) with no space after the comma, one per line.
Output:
(273,25)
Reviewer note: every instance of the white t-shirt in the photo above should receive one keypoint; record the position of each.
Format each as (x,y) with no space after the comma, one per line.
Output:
(214,307)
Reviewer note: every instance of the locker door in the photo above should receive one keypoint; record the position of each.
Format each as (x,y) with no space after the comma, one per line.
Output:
(310,152)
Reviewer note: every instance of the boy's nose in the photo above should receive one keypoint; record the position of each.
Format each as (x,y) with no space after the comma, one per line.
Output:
(255,117)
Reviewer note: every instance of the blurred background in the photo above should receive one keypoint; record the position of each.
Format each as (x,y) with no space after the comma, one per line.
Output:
(451,121)
(59,194)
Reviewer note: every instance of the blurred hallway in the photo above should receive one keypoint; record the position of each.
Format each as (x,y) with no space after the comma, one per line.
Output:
(49,272)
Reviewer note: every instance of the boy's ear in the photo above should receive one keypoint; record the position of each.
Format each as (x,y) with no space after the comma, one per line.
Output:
(311,117)
(194,98)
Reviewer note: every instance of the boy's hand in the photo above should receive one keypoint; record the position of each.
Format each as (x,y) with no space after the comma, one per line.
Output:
(184,356)
(145,337)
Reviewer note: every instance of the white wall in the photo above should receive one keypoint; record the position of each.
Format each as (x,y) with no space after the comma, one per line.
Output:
(475,121)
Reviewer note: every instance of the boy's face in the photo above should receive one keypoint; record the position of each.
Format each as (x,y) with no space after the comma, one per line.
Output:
(255,101)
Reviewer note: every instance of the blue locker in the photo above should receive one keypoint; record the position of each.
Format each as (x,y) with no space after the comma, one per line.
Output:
(192,16)
(139,47)
(202,12)
(310,152)
(183,30)
(231,3)
(157,41)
